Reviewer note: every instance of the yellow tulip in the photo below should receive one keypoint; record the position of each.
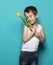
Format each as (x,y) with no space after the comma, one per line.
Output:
(18,14)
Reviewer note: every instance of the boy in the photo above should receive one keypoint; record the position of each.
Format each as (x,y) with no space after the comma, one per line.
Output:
(29,51)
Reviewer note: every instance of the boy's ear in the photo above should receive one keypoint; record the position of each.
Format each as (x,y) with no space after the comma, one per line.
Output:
(36,15)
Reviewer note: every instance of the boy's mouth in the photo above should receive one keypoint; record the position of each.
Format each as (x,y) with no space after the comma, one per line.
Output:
(31,21)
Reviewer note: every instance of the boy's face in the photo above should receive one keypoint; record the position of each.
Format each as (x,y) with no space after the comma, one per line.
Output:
(31,17)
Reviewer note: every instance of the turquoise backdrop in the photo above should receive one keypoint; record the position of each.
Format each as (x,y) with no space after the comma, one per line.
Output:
(11,30)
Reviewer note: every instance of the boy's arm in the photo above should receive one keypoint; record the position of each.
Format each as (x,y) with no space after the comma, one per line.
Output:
(27,37)
(41,35)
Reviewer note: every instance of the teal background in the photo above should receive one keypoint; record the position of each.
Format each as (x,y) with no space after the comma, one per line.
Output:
(11,30)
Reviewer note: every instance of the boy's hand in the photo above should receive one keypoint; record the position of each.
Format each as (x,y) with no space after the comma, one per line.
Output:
(37,34)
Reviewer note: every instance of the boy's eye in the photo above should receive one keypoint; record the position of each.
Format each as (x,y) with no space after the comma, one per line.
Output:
(30,16)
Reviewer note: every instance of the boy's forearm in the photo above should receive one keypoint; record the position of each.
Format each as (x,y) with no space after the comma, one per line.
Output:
(42,38)
(28,37)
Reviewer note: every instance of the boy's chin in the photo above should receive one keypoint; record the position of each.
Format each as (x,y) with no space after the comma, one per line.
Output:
(32,23)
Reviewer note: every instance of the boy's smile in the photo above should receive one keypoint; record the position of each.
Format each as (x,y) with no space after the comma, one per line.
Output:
(31,17)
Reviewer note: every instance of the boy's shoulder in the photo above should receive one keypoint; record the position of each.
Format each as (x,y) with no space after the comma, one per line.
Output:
(40,25)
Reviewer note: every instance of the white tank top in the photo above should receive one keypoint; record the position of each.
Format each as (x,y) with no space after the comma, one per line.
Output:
(32,44)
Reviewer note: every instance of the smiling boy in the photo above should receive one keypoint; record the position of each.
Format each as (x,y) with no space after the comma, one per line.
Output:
(31,39)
